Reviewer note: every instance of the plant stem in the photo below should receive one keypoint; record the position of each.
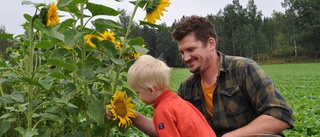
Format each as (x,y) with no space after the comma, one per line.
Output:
(86,108)
(29,70)
(115,82)
(83,57)
(131,19)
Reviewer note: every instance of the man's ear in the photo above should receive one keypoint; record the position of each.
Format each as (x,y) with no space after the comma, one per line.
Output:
(212,43)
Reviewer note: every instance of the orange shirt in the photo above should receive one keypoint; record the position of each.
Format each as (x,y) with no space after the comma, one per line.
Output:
(208,92)
(175,117)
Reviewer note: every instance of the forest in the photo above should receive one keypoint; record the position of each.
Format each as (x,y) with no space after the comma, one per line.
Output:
(289,37)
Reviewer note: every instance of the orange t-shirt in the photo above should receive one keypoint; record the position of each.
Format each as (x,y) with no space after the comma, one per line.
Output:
(175,117)
(208,92)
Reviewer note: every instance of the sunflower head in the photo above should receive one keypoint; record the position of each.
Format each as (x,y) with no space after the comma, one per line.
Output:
(155,10)
(118,45)
(108,35)
(69,47)
(122,109)
(49,16)
(89,38)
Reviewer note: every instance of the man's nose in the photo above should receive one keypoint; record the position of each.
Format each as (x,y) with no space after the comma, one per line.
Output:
(186,57)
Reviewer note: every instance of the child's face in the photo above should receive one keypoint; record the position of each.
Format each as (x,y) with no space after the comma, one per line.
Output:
(146,96)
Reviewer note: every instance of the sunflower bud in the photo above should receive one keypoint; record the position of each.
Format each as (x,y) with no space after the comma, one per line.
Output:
(49,15)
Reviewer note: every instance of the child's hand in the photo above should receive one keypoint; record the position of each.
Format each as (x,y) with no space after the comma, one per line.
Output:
(108,114)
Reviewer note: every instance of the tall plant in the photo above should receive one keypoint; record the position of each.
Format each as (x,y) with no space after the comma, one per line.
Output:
(62,74)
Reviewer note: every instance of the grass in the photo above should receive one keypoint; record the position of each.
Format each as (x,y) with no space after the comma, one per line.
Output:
(178,75)
(299,84)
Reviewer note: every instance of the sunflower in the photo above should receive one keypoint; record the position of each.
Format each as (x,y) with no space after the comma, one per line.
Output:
(52,16)
(118,45)
(121,108)
(136,54)
(69,47)
(154,11)
(89,39)
(108,35)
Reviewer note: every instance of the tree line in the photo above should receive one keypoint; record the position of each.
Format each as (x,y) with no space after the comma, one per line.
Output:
(243,31)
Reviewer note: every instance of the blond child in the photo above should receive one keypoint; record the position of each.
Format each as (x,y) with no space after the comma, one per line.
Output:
(173,116)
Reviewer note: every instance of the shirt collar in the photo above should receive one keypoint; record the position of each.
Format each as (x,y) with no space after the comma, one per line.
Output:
(223,62)
(163,96)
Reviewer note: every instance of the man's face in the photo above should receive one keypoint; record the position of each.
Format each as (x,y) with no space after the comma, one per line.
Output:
(194,54)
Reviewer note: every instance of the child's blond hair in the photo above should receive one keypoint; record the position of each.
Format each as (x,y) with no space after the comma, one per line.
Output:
(147,72)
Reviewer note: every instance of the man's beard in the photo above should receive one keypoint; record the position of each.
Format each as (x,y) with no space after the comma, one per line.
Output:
(196,70)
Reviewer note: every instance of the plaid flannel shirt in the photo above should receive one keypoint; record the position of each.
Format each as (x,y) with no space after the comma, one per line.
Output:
(243,92)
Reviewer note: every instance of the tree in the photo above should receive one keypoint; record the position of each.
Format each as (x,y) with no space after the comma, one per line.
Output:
(306,22)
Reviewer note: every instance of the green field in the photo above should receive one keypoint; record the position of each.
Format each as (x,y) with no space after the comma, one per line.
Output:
(300,86)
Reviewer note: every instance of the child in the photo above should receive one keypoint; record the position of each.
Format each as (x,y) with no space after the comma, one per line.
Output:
(173,116)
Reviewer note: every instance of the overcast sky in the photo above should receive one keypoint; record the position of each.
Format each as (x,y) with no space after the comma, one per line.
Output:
(11,11)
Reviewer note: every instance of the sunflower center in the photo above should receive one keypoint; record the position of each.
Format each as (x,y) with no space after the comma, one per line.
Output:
(120,108)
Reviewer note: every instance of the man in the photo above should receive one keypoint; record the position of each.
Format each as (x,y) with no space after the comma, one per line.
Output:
(235,95)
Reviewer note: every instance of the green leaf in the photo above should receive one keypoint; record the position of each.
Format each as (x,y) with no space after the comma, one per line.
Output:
(73,7)
(5,126)
(6,99)
(140,49)
(58,100)
(53,109)
(27,17)
(64,25)
(32,81)
(10,74)
(26,2)
(107,24)
(86,74)
(6,36)
(32,133)
(136,41)
(154,25)
(63,3)
(71,86)
(71,105)
(71,36)
(118,61)
(44,44)
(17,96)
(5,116)
(21,130)
(61,63)
(59,53)
(96,111)
(26,133)
(58,75)
(51,117)
(11,120)
(141,4)
(53,33)
(3,64)
(45,84)
(97,9)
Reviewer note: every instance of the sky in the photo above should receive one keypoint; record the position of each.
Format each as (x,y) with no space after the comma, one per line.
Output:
(11,11)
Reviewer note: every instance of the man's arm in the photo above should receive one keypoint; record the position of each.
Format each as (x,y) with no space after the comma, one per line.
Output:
(145,124)
(262,125)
